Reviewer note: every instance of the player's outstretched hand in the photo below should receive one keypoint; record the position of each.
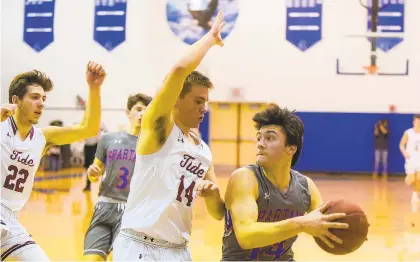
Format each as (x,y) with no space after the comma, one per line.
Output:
(216,29)
(317,224)
(93,173)
(206,188)
(7,110)
(95,74)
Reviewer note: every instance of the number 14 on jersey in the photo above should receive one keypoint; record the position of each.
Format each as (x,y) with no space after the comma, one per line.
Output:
(188,191)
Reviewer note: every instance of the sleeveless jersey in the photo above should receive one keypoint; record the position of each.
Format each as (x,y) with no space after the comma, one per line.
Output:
(413,143)
(118,152)
(273,206)
(162,188)
(19,163)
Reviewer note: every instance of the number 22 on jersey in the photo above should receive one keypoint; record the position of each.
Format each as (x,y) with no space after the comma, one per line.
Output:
(12,181)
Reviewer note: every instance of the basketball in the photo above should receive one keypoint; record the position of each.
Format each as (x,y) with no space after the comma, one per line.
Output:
(354,236)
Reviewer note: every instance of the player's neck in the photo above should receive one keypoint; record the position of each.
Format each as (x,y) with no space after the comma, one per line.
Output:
(134,130)
(23,125)
(416,130)
(185,129)
(279,175)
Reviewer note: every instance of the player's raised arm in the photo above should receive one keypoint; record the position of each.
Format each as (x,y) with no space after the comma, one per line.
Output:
(157,121)
(241,197)
(91,124)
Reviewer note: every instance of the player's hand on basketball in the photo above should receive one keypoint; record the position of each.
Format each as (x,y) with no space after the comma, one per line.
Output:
(94,172)
(216,29)
(95,74)
(206,188)
(317,224)
(7,110)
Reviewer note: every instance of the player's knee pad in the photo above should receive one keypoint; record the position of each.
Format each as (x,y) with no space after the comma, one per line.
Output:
(33,253)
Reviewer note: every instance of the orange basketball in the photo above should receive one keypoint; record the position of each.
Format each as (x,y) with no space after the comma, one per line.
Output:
(354,236)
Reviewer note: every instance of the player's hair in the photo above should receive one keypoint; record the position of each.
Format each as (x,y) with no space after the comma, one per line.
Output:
(416,116)
(195,78)
(290,123)
(134,99)
(19,85)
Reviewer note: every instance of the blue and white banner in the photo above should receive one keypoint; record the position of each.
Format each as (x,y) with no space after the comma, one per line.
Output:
(38,28)
(390,19)
(304,23)
(110,22)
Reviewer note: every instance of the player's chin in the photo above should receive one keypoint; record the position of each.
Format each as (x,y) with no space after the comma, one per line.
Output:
(34,121)
(261,160)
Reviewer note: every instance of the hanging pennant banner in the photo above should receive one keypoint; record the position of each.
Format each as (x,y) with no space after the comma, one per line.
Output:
(304,23)
(38,28)
(390,20)
(110,22)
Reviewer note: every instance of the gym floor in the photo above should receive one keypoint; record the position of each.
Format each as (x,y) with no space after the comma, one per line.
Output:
(59,212)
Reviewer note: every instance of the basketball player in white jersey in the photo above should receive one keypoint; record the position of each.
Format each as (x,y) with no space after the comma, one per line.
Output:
(410,148)
(23,145)
(172,165)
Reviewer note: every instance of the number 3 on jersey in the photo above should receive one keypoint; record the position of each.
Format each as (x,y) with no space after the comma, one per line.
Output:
(188,191)
(15,184)
(123,178)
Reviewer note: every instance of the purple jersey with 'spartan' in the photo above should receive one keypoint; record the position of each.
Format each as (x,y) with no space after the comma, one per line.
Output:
(118,152)
(273,206)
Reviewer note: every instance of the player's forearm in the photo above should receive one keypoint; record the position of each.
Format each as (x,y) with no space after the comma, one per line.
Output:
(402,149)
(260,234)
(91,122)
(190,61)
(215,206)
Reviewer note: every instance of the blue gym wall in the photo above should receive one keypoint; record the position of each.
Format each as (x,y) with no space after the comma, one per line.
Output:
(344,142)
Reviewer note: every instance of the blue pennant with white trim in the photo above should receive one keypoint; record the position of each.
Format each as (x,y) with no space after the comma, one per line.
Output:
(38,28)
(110,23)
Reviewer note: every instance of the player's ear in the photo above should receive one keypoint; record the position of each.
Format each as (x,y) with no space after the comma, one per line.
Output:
(127,112)
(292,149)
(15,99)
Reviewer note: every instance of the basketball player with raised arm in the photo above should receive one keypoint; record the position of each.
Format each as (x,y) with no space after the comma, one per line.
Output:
(172,165)
(115,156)
(268,204)
(23,145)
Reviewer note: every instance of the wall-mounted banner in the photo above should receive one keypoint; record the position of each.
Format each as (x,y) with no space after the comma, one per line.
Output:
(189,20)
(304,23)
(110,23)
(390,20)
(38,28)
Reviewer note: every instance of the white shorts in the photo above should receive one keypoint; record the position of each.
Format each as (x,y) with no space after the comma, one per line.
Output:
(412,165)
(132,247)
(16,243)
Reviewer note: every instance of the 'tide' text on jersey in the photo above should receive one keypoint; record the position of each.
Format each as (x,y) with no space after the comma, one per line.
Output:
(16,155)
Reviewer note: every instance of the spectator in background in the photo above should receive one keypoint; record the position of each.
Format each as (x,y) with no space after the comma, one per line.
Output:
(89,152)
(381,147)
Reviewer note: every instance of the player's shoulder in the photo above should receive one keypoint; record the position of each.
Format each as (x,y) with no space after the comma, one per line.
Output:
(110,135)
(244,174)
(37,134)
(305,181)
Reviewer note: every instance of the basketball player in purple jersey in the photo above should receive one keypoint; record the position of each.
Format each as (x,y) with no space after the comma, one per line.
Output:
(115,158)
(268,204)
